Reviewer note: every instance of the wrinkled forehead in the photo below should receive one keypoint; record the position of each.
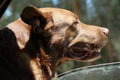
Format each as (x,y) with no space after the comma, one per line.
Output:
(61,15)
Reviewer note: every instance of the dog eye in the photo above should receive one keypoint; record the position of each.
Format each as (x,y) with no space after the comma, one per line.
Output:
(76,22)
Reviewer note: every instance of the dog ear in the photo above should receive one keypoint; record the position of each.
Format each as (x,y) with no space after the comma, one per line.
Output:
(33,17)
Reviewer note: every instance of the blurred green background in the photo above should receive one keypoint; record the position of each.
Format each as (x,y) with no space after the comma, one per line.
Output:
(105,13)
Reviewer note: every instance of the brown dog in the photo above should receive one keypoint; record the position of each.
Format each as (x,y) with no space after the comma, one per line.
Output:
(32,47)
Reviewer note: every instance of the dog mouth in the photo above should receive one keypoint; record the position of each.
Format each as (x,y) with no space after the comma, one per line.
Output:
(83,53)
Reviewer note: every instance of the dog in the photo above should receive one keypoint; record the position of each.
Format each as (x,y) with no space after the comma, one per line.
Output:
(33,46)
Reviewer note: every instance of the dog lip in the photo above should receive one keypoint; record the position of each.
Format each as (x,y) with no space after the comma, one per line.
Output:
(84,55)
(91,56)
(84,52)
(77,52)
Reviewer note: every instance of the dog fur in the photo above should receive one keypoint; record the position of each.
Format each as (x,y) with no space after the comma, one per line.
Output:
(33,46)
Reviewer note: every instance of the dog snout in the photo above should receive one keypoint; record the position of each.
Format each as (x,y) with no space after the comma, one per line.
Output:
(105,31)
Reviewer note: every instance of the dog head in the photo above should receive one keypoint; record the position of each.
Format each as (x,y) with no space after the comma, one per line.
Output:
(64,36)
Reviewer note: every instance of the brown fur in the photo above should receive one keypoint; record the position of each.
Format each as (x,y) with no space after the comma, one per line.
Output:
(42,39)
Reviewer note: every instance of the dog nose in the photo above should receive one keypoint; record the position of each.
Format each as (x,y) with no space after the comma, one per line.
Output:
(105,31)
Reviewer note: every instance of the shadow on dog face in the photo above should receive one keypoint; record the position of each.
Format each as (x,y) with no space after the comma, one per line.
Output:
(65,36)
